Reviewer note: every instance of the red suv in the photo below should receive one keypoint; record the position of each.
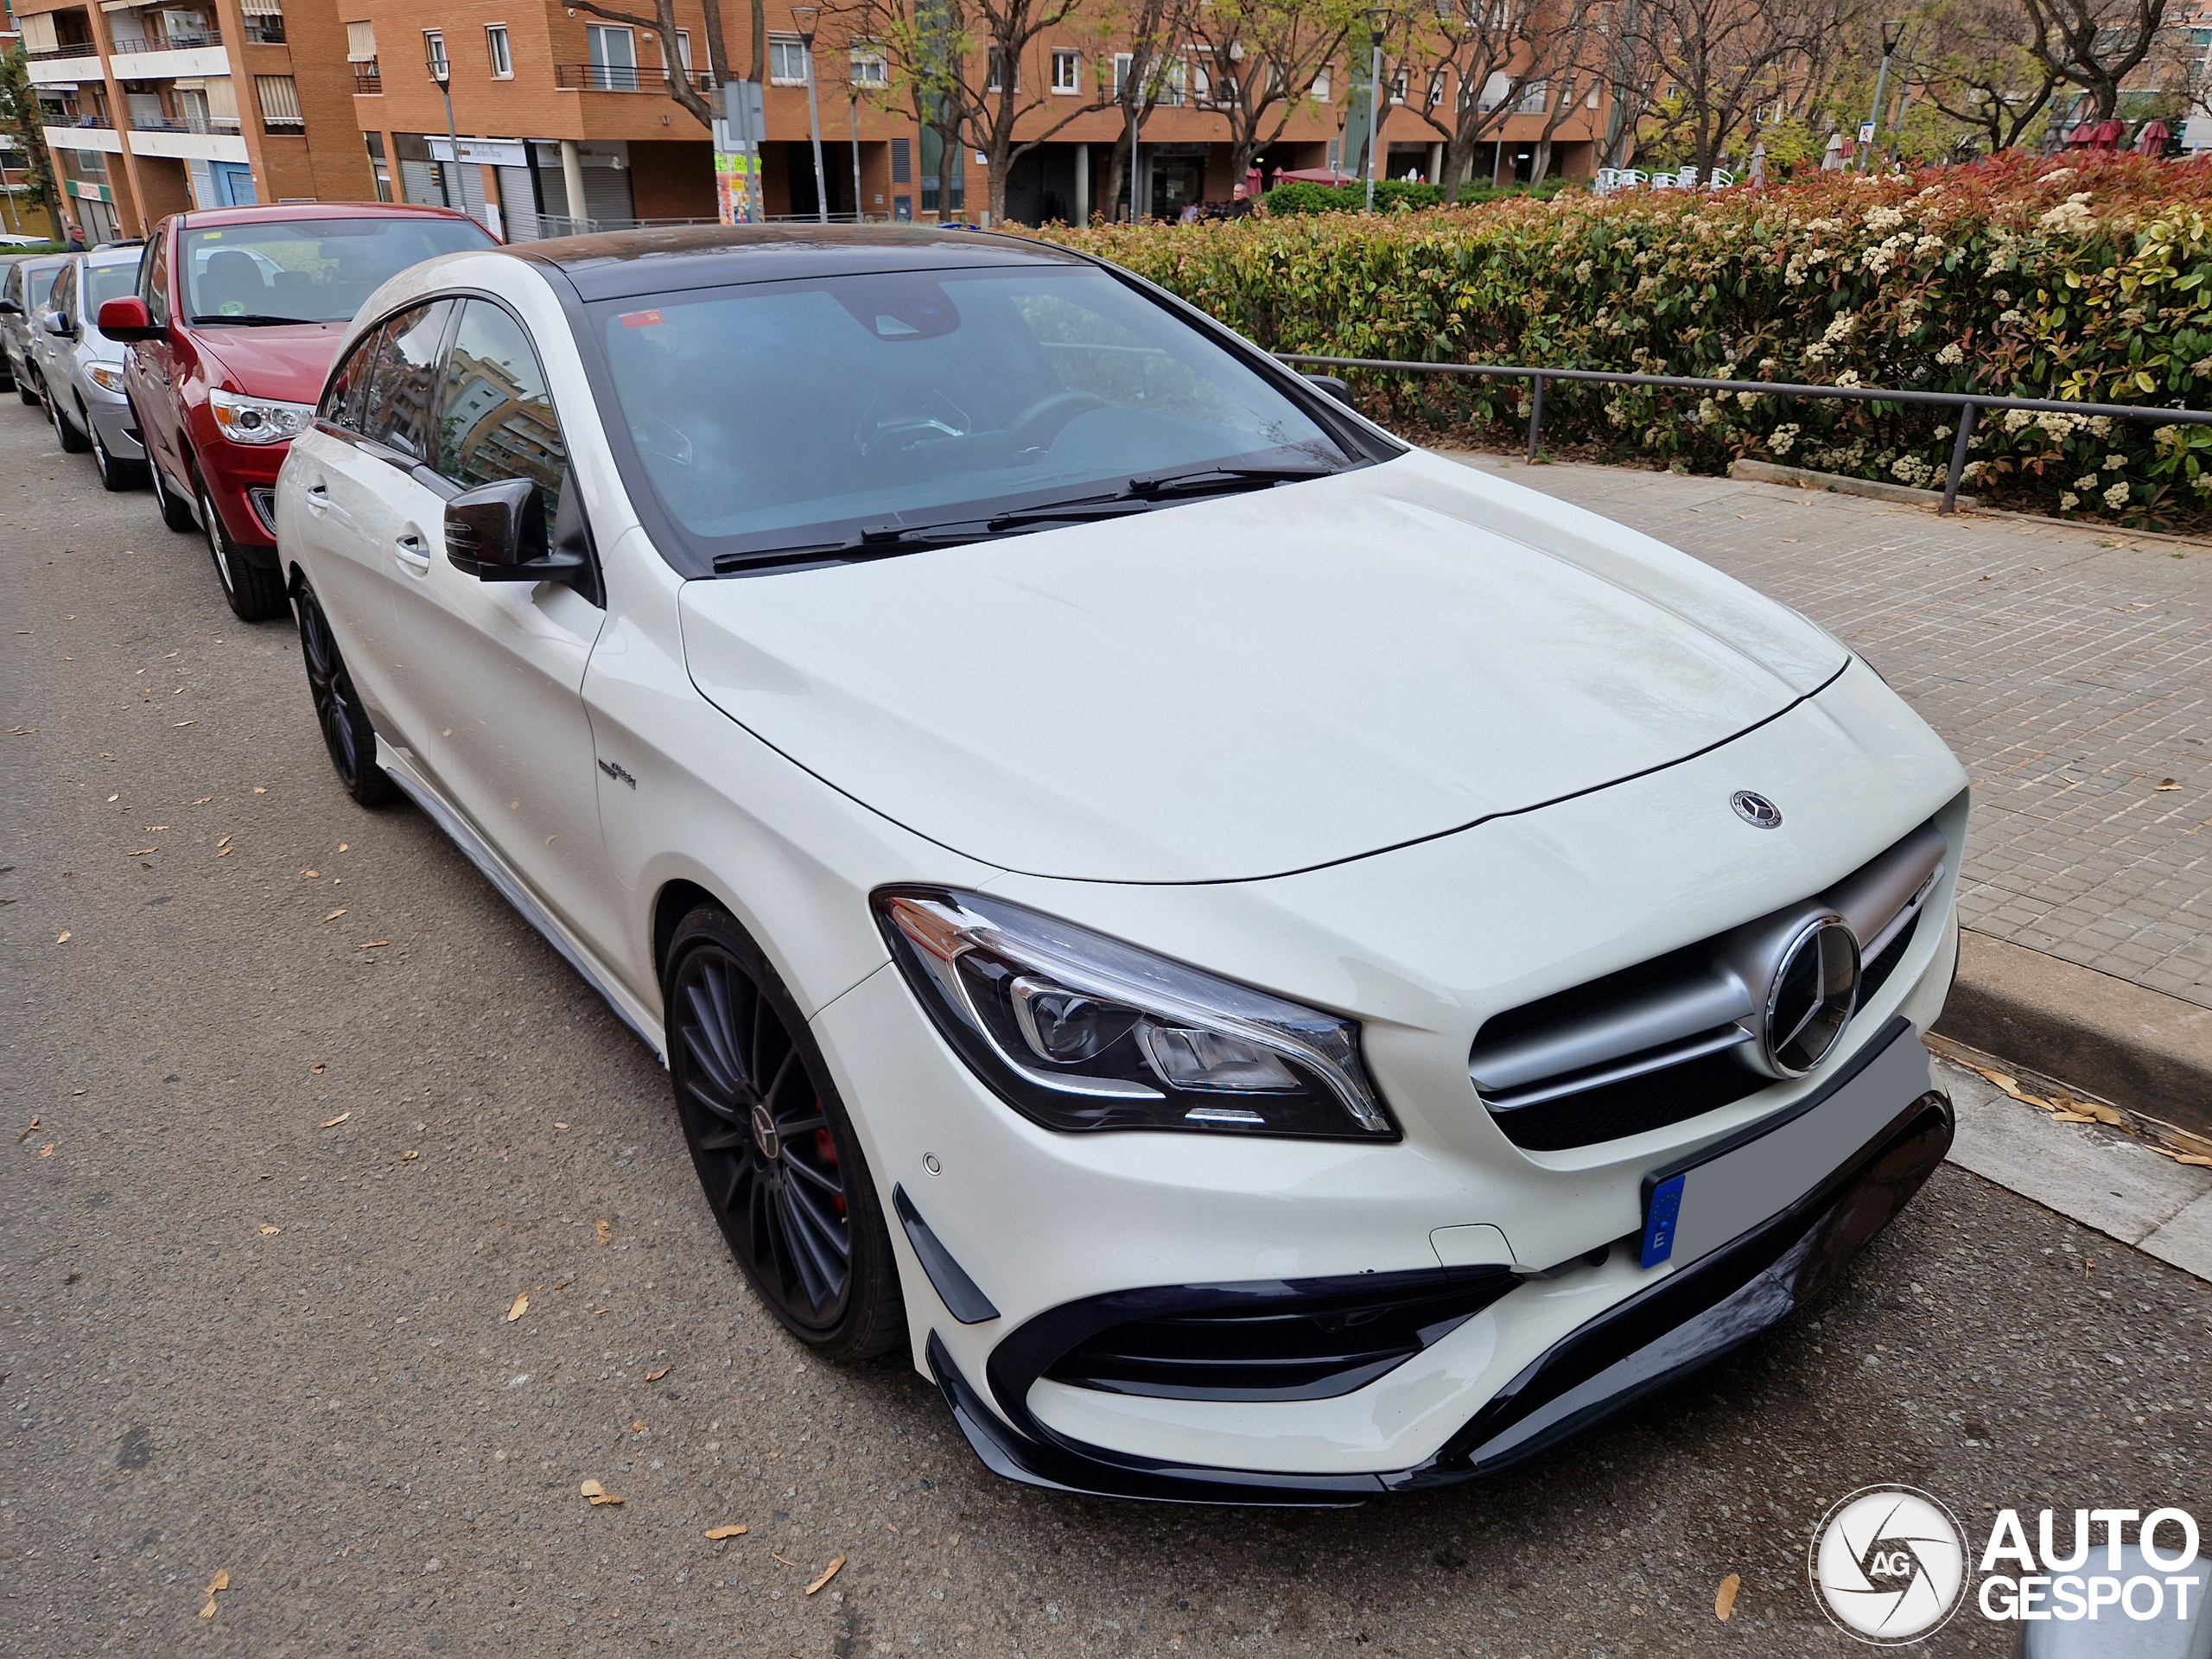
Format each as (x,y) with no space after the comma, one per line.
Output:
(238,315)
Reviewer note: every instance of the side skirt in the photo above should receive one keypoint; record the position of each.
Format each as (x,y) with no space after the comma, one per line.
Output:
(396,762)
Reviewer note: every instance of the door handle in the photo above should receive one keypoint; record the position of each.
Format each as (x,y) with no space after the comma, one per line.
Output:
(411,555)
(318,497)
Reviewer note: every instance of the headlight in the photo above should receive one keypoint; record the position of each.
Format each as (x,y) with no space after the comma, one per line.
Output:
(105,376)
(1077,1031)
(258,419)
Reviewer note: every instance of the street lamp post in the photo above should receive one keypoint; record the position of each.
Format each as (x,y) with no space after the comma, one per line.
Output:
(1376,18)
(442,72)
(804,16)
(1892,29)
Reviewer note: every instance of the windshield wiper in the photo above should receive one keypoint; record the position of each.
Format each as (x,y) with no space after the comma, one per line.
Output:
(260,320)
(1219,481)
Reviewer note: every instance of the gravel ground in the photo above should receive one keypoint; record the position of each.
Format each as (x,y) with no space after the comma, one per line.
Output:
(261,1255)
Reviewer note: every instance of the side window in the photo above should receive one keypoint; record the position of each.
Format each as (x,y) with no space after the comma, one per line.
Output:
(400,398)
(154,278)
(341,398)
(14,290)
(496,419)
(64,289)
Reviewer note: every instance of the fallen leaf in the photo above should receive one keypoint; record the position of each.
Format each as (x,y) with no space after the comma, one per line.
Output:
(63,938)
(333,1122)
(334,916)
(2167,783)
(727,1532)
(781,1559)
(1723,1601)
(341,847)
(373,944)
(187,722)
(560,1126)
(521,1308)
(409,1157)
(598,1494)
(258,790)
(26,1134)
(47,1151)
(317,1069)
(2195,1158)
(637,1425)
(606,1230)
(208,1612)
(655,1376)
(2072,1117)
(226,852)
(266,1230)
(142,852)
(220,1581)
(112,799)
(827,1573)
(312,875)
(202,801)
(224,842)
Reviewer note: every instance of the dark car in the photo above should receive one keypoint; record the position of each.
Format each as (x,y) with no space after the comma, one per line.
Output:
(236,318)
(23,291)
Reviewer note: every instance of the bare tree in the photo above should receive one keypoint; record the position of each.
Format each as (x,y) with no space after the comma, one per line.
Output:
(1148,30)
(1727,57)
(1469,60)
(1261,57)
(1982,73)
(2095,44)
(1576,70)
(681,85)
(1624,64)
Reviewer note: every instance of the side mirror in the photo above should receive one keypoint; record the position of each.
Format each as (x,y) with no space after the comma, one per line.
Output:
(58,324)
(495,532)
(127,320)
(9,308)
(1335,387)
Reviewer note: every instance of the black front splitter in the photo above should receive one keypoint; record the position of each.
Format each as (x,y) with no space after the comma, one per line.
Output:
(1658,1336)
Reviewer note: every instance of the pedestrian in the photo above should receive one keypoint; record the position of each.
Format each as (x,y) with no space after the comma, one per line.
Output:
(1240,205)
(76,238)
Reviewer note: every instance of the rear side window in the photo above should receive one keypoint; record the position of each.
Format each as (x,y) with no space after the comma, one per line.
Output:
(64,289)
(496,420)
(154,278)
(343,397)
(400,397)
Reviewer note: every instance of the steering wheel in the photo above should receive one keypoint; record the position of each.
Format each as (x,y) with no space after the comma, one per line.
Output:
(1039,426)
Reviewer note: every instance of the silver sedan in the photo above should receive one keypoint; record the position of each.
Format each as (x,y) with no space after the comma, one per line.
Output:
(83,368)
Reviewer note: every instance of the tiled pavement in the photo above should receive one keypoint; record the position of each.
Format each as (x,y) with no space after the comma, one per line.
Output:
(2070,668)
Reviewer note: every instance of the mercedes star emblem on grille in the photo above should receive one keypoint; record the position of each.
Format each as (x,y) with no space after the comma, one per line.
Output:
(1811,996)
(1756,809)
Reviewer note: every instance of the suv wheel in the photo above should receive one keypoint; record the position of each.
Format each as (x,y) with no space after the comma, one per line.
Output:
(255,594)
(114,474)
(24,390)
(176,512)
(65,434)
(775,1152)
(346,729)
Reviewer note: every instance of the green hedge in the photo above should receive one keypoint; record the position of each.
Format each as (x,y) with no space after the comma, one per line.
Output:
(2086,282)
(1398,196)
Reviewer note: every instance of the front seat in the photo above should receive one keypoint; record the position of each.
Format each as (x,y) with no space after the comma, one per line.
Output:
(231,284)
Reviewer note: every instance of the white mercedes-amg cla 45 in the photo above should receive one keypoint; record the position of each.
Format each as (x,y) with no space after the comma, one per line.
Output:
(1278,967)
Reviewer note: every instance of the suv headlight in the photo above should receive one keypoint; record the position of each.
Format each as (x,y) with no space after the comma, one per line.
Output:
(258,419)
(1077,1031)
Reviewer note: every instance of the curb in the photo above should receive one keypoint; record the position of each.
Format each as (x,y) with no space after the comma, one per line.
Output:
(1765,472)
(2137,1047)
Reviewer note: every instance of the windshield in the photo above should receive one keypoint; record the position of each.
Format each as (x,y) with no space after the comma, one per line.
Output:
(309,269)
(776,414)
(100,284)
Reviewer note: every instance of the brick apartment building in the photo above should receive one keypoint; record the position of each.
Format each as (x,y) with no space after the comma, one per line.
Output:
(198,103)
(563,120)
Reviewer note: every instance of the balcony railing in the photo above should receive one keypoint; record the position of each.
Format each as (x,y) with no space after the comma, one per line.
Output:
(620,78)
(88,119)
(368,80)
(265,28)
(219,126)
(79,49)
(170,40)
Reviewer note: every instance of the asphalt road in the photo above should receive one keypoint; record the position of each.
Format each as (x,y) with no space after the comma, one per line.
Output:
(260,1251)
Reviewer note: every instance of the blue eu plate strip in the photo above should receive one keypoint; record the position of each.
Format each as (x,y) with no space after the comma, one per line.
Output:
(1659,1224)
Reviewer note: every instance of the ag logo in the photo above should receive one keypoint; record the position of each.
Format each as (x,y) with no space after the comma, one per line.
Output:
(1889,1565)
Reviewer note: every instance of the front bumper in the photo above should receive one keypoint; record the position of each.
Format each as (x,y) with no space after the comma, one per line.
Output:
(1685,1321)
(111,412)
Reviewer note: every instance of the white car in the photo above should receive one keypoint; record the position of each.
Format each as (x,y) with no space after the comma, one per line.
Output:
(1281,968)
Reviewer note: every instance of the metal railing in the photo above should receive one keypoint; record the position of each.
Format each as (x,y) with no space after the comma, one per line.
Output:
(368,80)
(1969,404)
(85,119)
(74,50)
(163,41)
(618,78)
(215,125)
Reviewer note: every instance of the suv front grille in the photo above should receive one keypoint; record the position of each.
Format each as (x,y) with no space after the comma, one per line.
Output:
(1669,1040)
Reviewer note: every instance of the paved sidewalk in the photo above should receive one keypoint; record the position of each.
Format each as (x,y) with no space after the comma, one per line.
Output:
(2069,668)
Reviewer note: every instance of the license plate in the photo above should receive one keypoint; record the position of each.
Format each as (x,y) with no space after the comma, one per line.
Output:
(1723,1192)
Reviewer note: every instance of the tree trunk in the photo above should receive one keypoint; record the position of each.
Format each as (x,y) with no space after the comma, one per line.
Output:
(759,41)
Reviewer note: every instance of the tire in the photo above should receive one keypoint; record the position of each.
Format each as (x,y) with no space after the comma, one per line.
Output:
(348,735)
(65,434)
(255,594)
(114,474)
(23,390)
(775,1152)
(176,512)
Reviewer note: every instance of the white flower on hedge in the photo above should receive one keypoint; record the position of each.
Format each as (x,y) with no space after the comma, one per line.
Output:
(1971,470)
(2116,496)
(1849,377)
(2087,481)
(1709,412)
(2017,418)
(2099,425)
(1884,218)
(2058,427)
(2114,463)
(2201,483)
(2167,437)
(2071,216)
(1952,355)
(2069,501)
(1582,271)
(1941,433)
(1785,437)
(1747,399)
(2010,317)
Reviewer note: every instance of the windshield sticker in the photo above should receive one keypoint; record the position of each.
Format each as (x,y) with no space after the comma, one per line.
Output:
(642,319)
(211,236)
(232,307)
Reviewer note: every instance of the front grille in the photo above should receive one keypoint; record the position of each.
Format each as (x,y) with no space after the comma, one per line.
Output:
(1672,1037)
(1277,1341)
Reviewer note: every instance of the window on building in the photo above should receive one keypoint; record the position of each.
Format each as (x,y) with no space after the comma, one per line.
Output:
(997,81)
(786,62)
(1398,87)
(683,51)
(1321,90)
(902,161)
(496,47)
(870,66)
(613,57)
(434,53)
(1067,71)
(1121,61)
(279,95)
(1533,97)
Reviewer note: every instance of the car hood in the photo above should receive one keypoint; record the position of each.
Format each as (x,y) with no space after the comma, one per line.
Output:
(1254,684)
(289,363)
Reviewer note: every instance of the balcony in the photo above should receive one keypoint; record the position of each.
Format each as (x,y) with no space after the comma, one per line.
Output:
(620,78)
(160,54)
(368,80)
(64,65)
(188,137)
(86,132)
(203,124)
(77,50)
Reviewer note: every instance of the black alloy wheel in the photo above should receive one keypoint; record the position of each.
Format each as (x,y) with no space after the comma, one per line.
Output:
(114,474)
(775,1154)
(176,511)
(255,594)
(346,733)
(65,434)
